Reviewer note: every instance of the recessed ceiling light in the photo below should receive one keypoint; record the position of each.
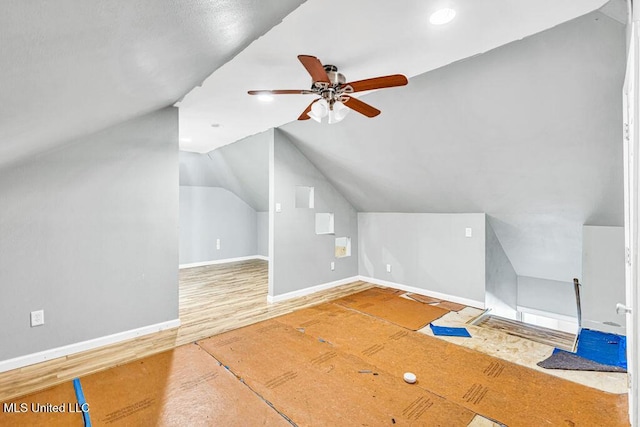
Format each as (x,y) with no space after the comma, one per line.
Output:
(442,16)
(265,98)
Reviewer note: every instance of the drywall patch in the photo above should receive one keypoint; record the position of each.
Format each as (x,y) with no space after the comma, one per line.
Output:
(305,198)
(325,223)
(343,247)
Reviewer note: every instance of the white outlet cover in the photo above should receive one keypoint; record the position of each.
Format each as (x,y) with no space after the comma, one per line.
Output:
(278,207)
(468,232)
(217,243)
(37,318)
(333,265)
(388,268)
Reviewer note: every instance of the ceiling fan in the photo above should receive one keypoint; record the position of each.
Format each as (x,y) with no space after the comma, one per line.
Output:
(335,93)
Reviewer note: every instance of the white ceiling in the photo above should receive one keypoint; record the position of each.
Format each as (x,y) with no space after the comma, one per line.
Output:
(71,67)
(364,38)
(529,133)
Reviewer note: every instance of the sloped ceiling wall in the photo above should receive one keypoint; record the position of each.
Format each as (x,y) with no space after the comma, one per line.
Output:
(241,167)
(529,133)
(71,67)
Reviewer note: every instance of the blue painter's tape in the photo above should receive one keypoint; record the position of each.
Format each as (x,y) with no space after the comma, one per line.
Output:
(449,331)
(82,402)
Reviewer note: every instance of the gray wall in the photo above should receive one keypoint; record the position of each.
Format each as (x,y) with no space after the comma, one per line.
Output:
(501,281)
(428,251)
(603,278)
(196,171)
(89,234)
(241,167)
(301,258)
(220,193)
(211,213)
(262,229)
(552,296)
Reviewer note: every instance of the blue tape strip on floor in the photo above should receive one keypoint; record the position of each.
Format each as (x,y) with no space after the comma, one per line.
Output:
(82,402)
(605,348)
(449,331)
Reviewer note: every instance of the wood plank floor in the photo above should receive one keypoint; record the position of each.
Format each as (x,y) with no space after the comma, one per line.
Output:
(563,340)
(213,299)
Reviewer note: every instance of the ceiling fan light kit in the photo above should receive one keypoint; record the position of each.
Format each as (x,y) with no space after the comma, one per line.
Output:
(335,93)
(321,109)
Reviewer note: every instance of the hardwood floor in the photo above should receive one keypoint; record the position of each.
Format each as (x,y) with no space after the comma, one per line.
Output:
(559,339)
(213,299)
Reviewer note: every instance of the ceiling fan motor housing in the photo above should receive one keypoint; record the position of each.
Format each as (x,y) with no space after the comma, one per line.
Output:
(331,93)
(335,77)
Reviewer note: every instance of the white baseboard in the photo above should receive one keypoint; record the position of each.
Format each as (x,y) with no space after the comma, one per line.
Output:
(406,288)
(425,292)
(223,261)
(310,290)
(54,353)
(603,327)
(549,314)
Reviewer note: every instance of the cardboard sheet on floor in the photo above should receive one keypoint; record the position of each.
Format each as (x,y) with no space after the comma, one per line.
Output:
(314,383)
(451,306)
(184,386)
(447,305)
(35,407)
(494,388)
(423,298)
(391,291)
(401,311)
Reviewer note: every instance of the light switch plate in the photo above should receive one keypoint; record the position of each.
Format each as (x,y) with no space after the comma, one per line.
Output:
(468,232)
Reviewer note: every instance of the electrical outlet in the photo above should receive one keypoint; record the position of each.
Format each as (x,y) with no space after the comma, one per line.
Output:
(333,265)
(468,232)
(388,268)
(37,318)
(278,207)
(218,244)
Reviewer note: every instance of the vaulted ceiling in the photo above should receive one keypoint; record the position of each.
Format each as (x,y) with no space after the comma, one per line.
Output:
(363,38)
(71,67)
(512,109)
(528,132)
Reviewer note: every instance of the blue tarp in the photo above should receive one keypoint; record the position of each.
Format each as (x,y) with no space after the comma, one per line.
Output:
(450,332)
(602,347)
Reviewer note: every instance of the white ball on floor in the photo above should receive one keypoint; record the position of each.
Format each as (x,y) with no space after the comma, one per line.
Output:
(410,377)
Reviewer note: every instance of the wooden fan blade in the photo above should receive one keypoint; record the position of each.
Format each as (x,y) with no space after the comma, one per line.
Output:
(304,115)
(378,83)
(315,68)
(361,107)
(281,92)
